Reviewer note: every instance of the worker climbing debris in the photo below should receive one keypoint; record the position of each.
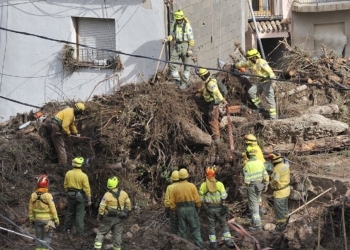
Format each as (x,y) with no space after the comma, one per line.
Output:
(215,97)
(63,124)
(264,82)
(182,35)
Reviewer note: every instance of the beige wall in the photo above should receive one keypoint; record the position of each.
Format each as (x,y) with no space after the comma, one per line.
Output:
(217,24)
(303,27)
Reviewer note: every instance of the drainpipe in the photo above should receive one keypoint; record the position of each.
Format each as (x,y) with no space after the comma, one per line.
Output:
(257,31)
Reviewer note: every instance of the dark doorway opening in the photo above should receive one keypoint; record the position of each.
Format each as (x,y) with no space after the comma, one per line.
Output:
(272,52)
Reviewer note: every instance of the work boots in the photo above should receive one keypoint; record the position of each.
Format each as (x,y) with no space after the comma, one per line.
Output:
(255,228)
(213,245)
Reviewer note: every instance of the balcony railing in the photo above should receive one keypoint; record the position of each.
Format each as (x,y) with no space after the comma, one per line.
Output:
(95,57)
(319,1)
(266,9)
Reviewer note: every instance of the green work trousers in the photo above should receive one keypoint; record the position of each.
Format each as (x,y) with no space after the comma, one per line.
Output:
(174,224)
(254,196)
(188,217)
(179,53)
(213,215)
(41,234)
(114,224)
(75,211)
(281,212)
(267,89)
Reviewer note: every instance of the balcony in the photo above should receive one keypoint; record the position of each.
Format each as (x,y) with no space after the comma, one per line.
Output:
(265,10)
(320,5)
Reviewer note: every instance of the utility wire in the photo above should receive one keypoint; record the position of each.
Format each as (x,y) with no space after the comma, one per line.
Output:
(23,103)
(29,77)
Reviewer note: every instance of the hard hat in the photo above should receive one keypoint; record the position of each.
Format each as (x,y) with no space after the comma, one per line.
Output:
(112,182)
(80,106)
(252,152)
(43,181)
(183,174)
(250,139)
(77,162)
(175,175)
(275,157)
(203,72)
(253,52)
(179,15)
(210,171)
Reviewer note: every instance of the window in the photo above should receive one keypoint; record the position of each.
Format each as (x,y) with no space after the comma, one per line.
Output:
(97,33)
(262,7)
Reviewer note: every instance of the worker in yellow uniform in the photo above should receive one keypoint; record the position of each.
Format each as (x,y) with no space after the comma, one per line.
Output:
(257,180)
(183,201)
(77,186)
(280,181)
(63,124)
(42,211)
(182,34)
(174,225)
(212,193)
(114,209)
(264,82)
(217,102)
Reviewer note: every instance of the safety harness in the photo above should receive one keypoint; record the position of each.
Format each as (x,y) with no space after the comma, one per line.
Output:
(38,198)
(183,29)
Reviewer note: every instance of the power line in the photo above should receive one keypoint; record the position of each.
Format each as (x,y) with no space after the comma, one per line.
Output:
(164,61)
(23,103)
(29,77)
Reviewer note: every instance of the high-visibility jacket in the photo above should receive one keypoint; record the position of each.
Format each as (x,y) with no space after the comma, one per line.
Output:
(280,180)
(260,68)
(211,91)
(109,201)
(184,192)
(168,191)
(43,207)
(66,119)
(76,179)
(254,171)
(182,32)
(259,154)
(212,198)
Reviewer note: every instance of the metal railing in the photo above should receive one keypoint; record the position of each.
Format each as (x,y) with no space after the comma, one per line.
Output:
(95,57)
(271,9)
(319,1)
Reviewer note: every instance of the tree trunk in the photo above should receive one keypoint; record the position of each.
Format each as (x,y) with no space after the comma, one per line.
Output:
(314,146)
(194,135)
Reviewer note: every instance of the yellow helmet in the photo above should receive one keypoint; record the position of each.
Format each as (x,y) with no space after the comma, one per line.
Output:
(250,139)
(275,157)
(252,152)
(112,182)
(80,107)
(175,175)
(179,15)
(183,174)
(77,162)
(253,52)
(203,72)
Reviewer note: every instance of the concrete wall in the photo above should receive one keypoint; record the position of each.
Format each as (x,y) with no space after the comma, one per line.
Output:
(217,25)
(31,69)
(303,27)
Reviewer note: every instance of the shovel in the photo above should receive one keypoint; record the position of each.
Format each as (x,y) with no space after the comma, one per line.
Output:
(160,56)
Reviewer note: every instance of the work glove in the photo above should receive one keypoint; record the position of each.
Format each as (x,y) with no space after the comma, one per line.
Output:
(77,135)
(222,109)
(224,103)
(189,53)
(89,202)
(165,40)
(273,84)
(265,188)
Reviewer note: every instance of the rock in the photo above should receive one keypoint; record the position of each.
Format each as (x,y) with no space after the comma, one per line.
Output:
(129,235)
(269,227)
(134,228)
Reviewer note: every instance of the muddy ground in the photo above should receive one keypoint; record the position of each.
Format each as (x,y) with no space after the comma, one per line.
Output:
(136,134)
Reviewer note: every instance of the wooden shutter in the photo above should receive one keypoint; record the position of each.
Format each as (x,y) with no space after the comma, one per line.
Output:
(97,33)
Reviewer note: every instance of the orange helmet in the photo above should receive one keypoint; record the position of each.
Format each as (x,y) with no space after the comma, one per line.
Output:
(210,171)
(275,157)
(43,181)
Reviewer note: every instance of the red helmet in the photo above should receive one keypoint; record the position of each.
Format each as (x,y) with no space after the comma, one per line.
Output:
(43,181)
(210,171)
